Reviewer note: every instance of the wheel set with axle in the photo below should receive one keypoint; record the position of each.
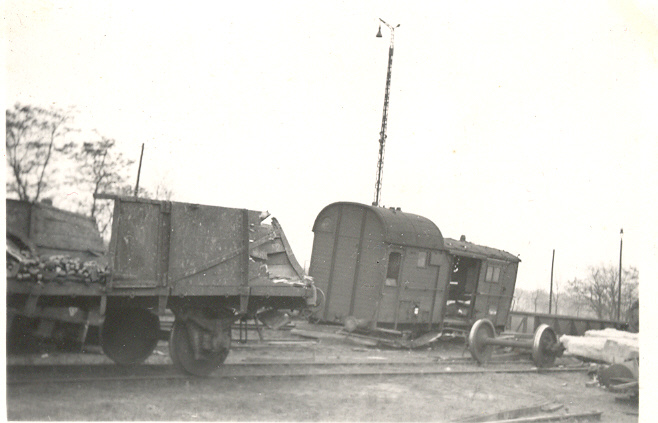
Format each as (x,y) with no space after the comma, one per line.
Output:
(544,346)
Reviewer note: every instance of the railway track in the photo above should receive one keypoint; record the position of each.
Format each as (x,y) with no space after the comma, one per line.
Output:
(22,375)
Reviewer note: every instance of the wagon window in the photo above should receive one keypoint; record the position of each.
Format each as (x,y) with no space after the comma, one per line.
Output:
(393,271)
(493,274)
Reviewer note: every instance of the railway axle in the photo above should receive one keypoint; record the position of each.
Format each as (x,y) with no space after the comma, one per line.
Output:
(544,346)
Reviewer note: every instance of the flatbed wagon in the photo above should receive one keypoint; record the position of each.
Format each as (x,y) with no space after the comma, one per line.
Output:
(209,266)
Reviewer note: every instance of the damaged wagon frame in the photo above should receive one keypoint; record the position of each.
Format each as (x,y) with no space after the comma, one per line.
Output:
(210,266)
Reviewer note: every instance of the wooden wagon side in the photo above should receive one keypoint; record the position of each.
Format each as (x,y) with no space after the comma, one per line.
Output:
(208,265)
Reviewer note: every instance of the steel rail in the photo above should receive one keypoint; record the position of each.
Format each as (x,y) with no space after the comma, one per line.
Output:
(246,371)
(112,370)
(108,366)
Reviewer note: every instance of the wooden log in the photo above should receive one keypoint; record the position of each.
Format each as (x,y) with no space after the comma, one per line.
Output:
(613,334)
(608,345)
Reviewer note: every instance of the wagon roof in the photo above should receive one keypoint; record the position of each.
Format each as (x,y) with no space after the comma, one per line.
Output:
(402,228)
(468,249)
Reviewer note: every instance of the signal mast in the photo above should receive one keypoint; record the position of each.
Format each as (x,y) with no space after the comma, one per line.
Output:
(382,133)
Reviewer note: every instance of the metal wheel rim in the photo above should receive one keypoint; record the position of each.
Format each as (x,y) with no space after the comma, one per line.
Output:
(544,338)
(482,330)
(182,354)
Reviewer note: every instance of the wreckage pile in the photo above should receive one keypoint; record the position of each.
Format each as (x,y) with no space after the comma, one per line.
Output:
(617,354)
(61,269)
(607,345)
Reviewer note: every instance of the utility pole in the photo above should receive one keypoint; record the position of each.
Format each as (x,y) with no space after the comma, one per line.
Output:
(382,133)
(621,244)
(550,295)
(139,170)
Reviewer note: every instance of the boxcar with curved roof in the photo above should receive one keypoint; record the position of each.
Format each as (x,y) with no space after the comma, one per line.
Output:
(384,268)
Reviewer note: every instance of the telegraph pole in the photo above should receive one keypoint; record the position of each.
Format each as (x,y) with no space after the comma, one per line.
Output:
(550,295)
(139,170)
(621,244)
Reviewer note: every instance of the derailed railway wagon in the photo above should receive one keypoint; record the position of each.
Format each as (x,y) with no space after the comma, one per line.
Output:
(387,270)
(210,266)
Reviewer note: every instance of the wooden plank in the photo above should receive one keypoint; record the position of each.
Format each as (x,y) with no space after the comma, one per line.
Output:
(592,415)
(505,414)
(576,318)
(332,266)
(316,334)
(278,230)
(357,266)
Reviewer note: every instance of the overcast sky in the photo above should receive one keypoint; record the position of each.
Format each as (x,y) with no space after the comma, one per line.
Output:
(525,126)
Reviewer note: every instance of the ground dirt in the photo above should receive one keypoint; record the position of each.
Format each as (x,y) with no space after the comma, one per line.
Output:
(316,398)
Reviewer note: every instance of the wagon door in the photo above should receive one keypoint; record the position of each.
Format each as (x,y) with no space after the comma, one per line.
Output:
(506,283)
(463,302)
(494,295)
(389,299)
(420,286)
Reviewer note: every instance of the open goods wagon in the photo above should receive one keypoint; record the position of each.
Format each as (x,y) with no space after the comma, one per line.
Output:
(210,266)
(382,269)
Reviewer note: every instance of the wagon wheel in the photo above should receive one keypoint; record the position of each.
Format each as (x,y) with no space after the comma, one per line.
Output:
(182,354)
(129,336)
(543,351)
(482,330)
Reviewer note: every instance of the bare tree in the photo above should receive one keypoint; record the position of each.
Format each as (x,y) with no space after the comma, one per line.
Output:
(599,290)
(163,192)
(517,299)
(530,300)
(566,303)
(101,169)
(34,136)
(538,297)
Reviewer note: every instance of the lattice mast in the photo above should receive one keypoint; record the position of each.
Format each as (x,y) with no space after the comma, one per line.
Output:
(382,133)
